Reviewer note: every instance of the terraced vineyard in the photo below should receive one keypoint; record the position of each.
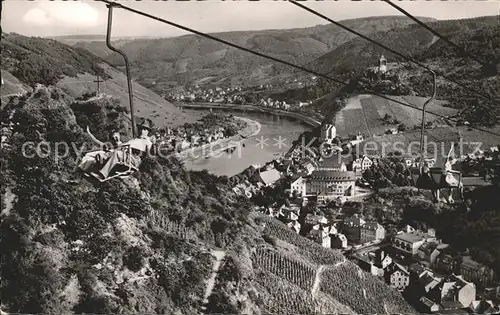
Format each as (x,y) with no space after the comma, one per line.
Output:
(283,297)
(365,295)
(315,252)
(285,267)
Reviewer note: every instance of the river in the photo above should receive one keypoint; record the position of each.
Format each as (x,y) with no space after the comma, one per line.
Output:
(275,137)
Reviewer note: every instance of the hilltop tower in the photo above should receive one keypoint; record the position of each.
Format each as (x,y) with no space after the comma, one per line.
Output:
(382,64)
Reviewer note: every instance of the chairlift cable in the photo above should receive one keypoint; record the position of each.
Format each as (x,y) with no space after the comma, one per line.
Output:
(277,60)
(433,31)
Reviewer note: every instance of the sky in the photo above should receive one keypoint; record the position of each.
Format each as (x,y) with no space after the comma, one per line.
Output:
(58,18)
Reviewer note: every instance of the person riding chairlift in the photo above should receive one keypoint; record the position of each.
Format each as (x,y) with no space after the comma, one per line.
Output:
(97,157)
(449,178)
(139,148)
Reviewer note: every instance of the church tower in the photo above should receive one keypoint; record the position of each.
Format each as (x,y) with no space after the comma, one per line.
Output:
(382,64)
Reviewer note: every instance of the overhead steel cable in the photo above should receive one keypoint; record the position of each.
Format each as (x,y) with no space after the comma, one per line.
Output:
(444,38)
(408,58)
(273,58)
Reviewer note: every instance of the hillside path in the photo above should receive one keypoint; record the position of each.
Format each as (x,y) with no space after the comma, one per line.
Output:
(317,281)
(219,255)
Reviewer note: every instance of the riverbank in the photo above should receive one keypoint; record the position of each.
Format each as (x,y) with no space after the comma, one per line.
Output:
(252,129)
(311,121)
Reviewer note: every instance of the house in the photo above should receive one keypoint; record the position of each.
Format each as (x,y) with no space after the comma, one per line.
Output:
(339,241)
(309,167)
(352,228)
(332,184)
(411,242)
(445,262)
(482,307)
(335,162)
(375,262)
(453,292)
(371,231)
(287,214)
(362,164)
(321,237)
(269,177)
(298,186)
(428,281)
(397,276)
(476,272)
(294,225)
(427,305)
(426,253)
(313,219)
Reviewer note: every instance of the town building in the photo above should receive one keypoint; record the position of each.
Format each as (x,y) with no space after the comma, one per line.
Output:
(298,186)
(362,164)
(411,242)
(269,177)
(321,236)
(453,292)
(427,253)
(336,162)
(352,228)
(328,133)
(371,231)
(294,225)
(476,272)
(332,184)
(397,276)
(482,307)
(339,241)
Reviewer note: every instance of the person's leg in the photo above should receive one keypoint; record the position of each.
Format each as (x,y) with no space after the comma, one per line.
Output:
(86,163)
(116,157)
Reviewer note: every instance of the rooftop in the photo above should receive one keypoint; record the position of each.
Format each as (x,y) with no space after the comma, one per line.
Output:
(413,237)
(335,161)
(333,175)
(372,226)
(270,176)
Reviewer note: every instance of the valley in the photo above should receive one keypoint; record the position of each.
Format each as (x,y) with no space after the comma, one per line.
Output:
(309,201)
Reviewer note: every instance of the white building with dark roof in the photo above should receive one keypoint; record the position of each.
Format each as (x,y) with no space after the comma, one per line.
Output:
(411,242)
(333,184)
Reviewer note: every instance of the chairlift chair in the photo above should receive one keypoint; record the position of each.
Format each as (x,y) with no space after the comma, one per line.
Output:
(121,169)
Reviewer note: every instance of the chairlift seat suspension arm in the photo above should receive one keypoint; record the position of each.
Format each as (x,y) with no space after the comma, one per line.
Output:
(127,66)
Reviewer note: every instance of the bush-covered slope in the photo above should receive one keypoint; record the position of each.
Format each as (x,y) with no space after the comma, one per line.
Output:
(412,40)
(138,245)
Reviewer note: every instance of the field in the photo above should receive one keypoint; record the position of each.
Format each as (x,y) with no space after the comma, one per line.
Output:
(300,276)
(364,113)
